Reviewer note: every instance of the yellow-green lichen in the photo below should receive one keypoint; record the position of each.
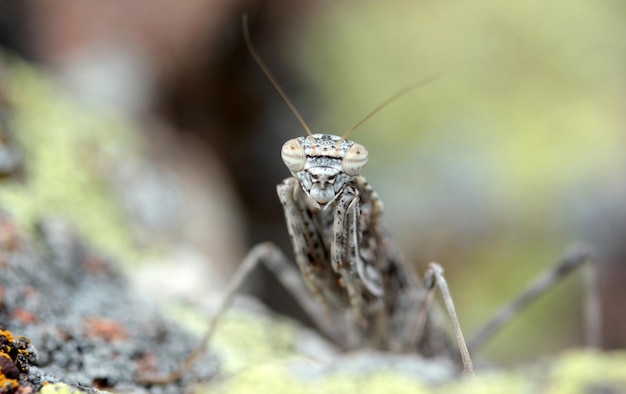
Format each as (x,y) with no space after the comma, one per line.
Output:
(487,382)
(243,338)
(259,351)
(68,149)
(588,371)
(260,355)
(61,388)
(276,378)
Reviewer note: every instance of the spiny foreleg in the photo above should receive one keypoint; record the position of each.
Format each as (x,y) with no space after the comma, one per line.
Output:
(361,280)
(310,255)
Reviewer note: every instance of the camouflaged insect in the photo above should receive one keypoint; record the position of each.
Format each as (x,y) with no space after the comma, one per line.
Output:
(370,297)
(352,282)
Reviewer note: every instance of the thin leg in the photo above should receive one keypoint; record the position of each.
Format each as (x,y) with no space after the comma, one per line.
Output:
(576,256)
(426,296)
(274,259)
(434,276)
(249,263)
(292,280)
(592,307)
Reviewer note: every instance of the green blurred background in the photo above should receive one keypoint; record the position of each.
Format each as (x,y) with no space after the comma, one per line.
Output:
(516,152)
(493,170)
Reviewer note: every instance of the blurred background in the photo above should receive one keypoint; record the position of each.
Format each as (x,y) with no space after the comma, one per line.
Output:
(148,124)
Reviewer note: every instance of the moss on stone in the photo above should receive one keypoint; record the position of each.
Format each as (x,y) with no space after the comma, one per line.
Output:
(68,148)
(588,371)
(61,388)
(260,351)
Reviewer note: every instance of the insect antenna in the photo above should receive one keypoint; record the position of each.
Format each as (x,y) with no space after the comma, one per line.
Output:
(392,98)
(270,76)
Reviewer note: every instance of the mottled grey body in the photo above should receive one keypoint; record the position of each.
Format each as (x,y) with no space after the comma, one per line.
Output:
(348,263)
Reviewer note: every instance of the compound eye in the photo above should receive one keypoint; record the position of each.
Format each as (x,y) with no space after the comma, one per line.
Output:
(354,160)
(293,155)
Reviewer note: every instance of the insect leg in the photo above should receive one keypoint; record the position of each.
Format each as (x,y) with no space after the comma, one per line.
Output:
(575,257)
(291,279)
(434,276)
(271,256)
(253,258)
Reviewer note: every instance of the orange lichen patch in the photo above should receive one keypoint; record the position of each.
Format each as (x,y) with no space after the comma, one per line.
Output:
(30,292)
(8,385)
(9,236)
(22,350)
(147,363)
(15,357)
(7,334)
(95,265)
(8,369)
(25,316)
(106,329)
(9,373)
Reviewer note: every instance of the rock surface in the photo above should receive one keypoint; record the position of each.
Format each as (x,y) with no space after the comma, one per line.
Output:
(87,328)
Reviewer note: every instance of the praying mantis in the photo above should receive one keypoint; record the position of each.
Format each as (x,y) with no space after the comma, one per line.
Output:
(350,277)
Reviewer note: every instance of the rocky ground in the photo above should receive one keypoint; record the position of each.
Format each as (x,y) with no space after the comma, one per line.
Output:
(69,316)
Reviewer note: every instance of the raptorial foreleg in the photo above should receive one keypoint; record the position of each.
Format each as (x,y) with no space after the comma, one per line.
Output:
(307,244)
(344,252)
